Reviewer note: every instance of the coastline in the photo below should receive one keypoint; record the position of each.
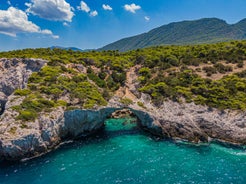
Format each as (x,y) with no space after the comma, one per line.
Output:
(172,120)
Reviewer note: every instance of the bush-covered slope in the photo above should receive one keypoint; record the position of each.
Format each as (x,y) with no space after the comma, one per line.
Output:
(208,30)
(180,73)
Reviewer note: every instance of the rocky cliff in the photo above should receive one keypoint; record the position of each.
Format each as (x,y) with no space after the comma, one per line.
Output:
(185,121)
(14,75)
(197,123)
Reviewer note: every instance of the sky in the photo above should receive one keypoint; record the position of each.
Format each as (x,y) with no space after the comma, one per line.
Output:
(91,24)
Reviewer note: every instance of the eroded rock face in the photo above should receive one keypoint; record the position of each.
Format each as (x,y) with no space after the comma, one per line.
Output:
(191,122)
(84,122)
(49,130)
(197,123)
(37,138)
(187,121)
(15,73)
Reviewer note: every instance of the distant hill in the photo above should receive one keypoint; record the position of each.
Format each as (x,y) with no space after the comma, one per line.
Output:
(207,30)
(66,48)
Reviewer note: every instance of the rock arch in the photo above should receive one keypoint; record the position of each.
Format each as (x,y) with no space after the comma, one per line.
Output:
(84,122)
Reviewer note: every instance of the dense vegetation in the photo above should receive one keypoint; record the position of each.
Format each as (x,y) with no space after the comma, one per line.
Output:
(208,30)
(75,79)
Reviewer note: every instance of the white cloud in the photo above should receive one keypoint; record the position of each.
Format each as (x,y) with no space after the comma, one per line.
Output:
(9,3)
(14,21)
(65,24)
(107,7)
(132,7)
(55,36)
(93,13)
(84,7)
(49,32)
(57,10)
(46,31)
(147,18)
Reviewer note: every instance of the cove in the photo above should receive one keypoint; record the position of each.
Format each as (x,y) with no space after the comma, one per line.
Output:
(122,153)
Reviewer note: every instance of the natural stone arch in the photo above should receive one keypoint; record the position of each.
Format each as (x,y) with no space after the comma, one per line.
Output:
(63,126)
(84,122)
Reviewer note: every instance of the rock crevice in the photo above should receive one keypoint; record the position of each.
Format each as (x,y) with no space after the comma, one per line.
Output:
(14,75)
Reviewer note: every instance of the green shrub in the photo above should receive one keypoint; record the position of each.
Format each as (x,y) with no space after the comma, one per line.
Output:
(79,78)
(126,101)
(209,70)
(222,68)
(22,92)
(26,115)
(145,72)
(141,104)
(13,130)
(119,77)
(16,107)
(102,75)
(101,83)
(61,103)
(111,84)
(23,125)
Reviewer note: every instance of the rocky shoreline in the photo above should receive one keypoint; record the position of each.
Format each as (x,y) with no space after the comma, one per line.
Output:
(186,121)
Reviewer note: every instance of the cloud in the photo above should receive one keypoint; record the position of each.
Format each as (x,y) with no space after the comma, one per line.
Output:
(55,36)
(49,32)
(56,10)
(132,7)
(65,24)
(93,13)
(107,7)
(8,2)
(147,18)
(84,7)
(14,21)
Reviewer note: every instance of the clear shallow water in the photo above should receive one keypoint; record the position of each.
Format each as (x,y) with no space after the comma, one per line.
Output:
(123,154)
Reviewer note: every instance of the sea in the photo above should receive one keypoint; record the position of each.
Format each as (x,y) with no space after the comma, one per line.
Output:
(122,153)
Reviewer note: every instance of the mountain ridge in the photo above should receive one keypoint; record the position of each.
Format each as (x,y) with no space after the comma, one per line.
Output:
(66,48)
(205,30)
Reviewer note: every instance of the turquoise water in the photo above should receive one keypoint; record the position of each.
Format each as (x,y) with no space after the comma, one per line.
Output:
(124,154)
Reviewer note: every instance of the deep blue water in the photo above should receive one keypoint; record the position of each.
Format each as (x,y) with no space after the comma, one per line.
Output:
(124,154)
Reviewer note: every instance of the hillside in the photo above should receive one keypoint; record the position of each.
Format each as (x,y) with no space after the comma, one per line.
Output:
(207,30)
(208,74)
(195,93)
(66,48)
